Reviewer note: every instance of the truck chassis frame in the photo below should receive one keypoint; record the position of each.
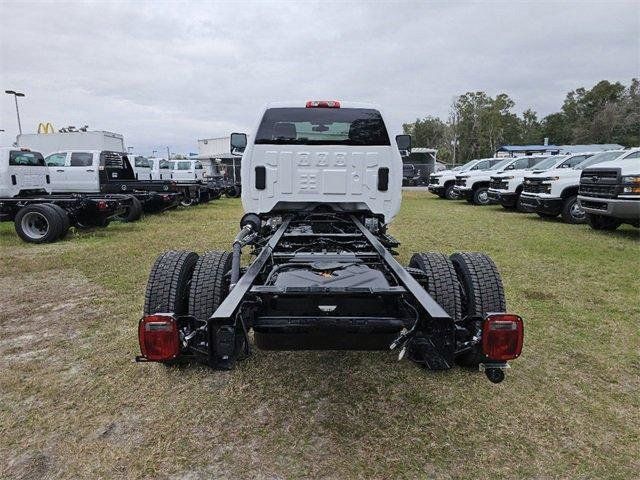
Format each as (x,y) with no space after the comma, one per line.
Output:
(323,280)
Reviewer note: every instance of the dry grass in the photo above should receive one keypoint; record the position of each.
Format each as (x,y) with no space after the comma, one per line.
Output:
(74,405)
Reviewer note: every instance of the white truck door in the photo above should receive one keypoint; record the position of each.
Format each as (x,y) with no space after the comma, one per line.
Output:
(82,173)
(57,163)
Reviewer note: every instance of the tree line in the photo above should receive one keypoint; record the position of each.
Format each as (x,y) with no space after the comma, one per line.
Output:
(478,124)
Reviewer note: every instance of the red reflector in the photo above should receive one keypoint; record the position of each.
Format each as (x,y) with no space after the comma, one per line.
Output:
(158,337)
(323,104)
(502,336)
(102,205)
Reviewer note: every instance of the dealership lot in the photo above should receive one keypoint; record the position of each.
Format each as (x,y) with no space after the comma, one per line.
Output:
(70,393)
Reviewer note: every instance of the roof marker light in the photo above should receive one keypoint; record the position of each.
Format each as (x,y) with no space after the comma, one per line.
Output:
(323,104)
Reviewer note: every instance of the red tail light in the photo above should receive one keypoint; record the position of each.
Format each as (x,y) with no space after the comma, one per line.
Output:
(158,337)
(102,205)
(502,336)
(323,104)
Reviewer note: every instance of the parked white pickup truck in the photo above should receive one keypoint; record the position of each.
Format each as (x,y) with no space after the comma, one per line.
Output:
(505,188)
(555,192)
(610,193)
(443,183)
(474,185)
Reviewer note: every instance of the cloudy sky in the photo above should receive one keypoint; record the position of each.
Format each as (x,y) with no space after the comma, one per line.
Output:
(167,73)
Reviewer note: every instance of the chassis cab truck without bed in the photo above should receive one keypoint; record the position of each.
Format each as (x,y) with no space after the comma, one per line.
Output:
(321,182)
(38,216)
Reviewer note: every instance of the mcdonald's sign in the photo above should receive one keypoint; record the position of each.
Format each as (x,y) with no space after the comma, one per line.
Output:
(45,128)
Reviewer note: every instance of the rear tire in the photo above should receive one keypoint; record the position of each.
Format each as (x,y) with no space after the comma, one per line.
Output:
(482,292)
(209,284)
(64,218)
(572,212)
(133,212)
(169,281)
(442,282)
(38,223)
(601,222)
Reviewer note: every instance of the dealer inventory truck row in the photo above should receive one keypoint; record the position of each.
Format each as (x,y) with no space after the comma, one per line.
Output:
(473,185)
(555,192)
(321,183)
(610,192)
(505,188)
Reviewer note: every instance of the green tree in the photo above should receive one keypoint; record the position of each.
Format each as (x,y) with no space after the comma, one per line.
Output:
(530,128)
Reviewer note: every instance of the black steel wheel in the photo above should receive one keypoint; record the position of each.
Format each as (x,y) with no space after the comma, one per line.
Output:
(169,283)
(38,223)
(482,292)
(441,281)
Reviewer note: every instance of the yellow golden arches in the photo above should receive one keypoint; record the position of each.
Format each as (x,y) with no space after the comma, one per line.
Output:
(45,128)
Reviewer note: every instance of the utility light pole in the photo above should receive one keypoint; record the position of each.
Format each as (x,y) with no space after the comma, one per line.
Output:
(15,97)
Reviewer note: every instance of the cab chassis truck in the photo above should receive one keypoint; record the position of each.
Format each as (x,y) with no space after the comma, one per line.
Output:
(324,274)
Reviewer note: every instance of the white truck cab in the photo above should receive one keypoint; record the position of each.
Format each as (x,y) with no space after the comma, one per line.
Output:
(555,192)
(187,170)
(338,154)
(141,167)
(161,168)
(74,171)
(473,185)
(22,172)
(610,193)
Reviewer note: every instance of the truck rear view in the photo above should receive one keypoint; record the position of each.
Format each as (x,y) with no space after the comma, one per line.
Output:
(321,182)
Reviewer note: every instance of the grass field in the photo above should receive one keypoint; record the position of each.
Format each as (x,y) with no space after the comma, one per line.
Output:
(73,404)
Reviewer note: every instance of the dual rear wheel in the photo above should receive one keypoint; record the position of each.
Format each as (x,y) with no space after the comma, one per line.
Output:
(464,284)
(184,283)
(41,223)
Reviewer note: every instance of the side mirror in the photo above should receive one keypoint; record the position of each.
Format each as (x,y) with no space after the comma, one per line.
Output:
(404,144)
(238,143)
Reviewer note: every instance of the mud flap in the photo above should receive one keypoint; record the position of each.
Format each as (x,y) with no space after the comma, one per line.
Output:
(435,349)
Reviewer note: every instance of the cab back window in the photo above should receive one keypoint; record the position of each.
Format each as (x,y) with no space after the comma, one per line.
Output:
(112,160)
(25,159)
(81,159)
(142,162)
(322,126)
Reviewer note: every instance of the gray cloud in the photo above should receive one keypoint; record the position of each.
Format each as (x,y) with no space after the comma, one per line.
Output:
(166,73)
